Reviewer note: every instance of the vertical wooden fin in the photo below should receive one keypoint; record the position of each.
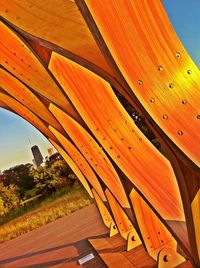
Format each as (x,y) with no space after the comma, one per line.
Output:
(105,214)
(157,239)
(196,218)
(124,225)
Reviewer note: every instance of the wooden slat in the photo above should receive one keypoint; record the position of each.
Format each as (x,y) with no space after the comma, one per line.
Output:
(124,224)
(59,23)
(24,95)
(156,66)
(93,153)
(19,59)
(26,114)
(111,258)
(120,137)
(73,166)
(80,162)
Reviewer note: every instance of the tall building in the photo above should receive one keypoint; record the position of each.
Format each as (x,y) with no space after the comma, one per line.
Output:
(38,158)
(50,151)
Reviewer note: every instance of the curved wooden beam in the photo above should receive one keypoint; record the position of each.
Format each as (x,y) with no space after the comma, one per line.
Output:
(18,58)
(120,137)
(80,162)
(21,93)
(26,114)
(73,166)
(93,153)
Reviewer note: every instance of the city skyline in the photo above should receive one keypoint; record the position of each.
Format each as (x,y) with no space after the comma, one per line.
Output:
(14,131)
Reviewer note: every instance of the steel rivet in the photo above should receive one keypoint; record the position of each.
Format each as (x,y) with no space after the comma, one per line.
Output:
(140,82)
(160,68)
(178,55)
(184,101)
(180,133)
(165,116)
(171,85)
(152,100)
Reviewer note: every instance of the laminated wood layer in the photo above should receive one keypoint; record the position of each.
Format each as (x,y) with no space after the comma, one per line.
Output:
(24,95)
(146,168)
(18,59)
(151,58)
(21,110)
(73,166)
(80,162)
(93,153)
(59,23)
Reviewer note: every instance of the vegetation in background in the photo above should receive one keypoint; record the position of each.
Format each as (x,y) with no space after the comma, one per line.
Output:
(21,184)
(58,205)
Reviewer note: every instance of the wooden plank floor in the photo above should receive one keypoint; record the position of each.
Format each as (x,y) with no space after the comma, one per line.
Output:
(64,242)
(58,244)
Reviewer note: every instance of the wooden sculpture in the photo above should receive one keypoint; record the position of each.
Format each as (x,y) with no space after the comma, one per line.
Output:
(60,65)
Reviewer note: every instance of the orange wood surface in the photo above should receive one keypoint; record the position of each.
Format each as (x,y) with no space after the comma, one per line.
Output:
(105,214)
(156,66)
(196,212)
(116,259)
(73,166)
(60,24)
(146,168)
(26,114)
(93,153)
(20,92)
(123,222)
(155,235)
(80,162)
(17,58)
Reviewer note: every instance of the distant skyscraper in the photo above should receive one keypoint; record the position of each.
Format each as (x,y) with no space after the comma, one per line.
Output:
(50,151)
(38,158)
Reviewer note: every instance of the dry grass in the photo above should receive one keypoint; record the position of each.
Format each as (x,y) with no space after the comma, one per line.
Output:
(46,213)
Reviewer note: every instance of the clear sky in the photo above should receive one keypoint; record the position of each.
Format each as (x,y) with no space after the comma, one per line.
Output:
(15,132)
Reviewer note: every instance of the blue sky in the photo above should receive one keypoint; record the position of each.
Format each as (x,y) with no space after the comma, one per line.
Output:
(15,132)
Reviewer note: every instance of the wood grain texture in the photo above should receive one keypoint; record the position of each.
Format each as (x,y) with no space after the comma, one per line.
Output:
(80,162)
(155,234)
(196,212)
(25,113)
(73,166)
(93,153)
(60,24)
(123,223)
(18,58)
(163,76)
(105,214)
(119,136)
(20,92)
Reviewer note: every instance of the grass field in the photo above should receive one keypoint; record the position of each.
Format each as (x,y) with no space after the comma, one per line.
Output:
(43,212)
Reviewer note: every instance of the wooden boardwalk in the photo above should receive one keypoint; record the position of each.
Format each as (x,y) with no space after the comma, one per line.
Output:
(64,242)
(58,244)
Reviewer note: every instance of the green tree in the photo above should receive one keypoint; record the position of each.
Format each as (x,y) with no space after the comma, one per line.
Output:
(9,198)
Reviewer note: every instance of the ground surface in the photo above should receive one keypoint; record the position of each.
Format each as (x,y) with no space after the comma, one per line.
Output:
(64,242)
(58,244)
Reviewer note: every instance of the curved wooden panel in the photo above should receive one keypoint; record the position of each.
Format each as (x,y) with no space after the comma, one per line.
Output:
(154,233)
(59,23)
(93,153)
(106,217)
(156,66)
(118,134)
(26,114)
(17,58)
(80,162)
(24,95)
(123,223)
(73,166)
(196,212)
